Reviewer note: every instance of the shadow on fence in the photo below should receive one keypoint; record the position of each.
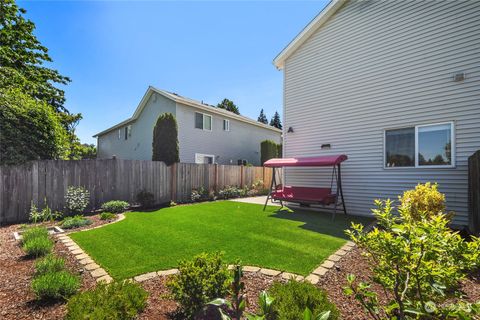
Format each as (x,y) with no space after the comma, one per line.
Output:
(47,181)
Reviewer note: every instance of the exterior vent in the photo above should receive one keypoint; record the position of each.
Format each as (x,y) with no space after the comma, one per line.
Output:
(458,77)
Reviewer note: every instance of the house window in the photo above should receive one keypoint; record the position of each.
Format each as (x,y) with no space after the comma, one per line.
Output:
(119,134)
(226,125)
(203,121)
(420,146)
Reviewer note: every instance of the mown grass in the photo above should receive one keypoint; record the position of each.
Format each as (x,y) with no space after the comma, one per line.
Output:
(148,241)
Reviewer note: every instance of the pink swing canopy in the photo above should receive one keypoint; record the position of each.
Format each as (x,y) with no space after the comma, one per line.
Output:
(320,161)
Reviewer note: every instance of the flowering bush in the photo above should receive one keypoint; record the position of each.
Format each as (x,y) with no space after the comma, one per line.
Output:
(77,199)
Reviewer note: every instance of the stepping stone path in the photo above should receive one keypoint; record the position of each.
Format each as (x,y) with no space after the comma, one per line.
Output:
(101,275)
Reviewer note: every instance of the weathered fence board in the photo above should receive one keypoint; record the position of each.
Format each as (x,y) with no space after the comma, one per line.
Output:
(46,182)
(474,192)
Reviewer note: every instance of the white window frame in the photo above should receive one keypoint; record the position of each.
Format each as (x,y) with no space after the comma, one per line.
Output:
(120,134)
(203,121)
(227,126)
(417,166)
(204,155)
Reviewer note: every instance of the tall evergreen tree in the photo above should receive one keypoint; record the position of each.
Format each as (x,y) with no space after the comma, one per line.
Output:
(165,140)
(229,106)
(262,117)
(275,121)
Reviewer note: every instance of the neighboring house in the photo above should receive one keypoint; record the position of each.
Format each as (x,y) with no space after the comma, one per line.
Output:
(395,85)
(206,134)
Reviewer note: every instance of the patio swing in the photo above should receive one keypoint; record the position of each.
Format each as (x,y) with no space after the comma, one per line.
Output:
(307,196)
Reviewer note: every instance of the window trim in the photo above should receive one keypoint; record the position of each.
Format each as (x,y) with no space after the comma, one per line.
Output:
(226,128)
(417,166)
(203,121)
(204,155)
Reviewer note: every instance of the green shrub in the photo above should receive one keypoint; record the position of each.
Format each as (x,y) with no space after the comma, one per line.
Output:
(107,216)
(34,232)
(49,264)
(416,259)
(292,298)
(145,199)
(115,206)
(165,140)
(55,285)
(75,222)
(199,281)
(76,199)
(38,247)
(199,195)
(268,150)
(230,192)
(114,301)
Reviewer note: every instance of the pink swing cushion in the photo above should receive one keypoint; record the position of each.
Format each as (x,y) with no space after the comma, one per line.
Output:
(304,194)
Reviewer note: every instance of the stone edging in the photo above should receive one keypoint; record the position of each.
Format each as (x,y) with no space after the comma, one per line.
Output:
(99,274)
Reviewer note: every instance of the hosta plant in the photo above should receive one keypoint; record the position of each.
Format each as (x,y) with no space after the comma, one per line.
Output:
(416,258)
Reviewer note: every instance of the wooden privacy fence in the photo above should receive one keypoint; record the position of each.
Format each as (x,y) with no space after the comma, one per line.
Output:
(47,181)
(474,192)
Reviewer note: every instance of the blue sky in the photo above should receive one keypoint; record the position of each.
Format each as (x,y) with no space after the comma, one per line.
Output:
(113,50)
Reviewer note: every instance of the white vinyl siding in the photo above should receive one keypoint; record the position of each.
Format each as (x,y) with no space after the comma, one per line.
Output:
(385,64)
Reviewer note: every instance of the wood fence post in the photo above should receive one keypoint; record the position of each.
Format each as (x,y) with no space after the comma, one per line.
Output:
(215,186)
(173,183)
(241,176)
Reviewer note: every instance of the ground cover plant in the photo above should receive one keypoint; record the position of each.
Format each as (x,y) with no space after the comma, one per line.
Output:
(279,239)
(75,222)
(107,216)
(114,301)
(417,260)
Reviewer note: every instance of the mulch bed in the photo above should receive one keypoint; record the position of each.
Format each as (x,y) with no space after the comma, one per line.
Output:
(17,300)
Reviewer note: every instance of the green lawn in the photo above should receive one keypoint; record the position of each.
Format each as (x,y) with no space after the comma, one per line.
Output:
(150,241)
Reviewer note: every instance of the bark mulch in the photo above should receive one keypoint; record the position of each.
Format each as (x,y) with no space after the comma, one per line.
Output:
(17,300)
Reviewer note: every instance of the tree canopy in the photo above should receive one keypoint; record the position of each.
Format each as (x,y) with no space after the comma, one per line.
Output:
(229,106)
(275,121)
(262,117)
(165,140)
(23,73)
(30,129)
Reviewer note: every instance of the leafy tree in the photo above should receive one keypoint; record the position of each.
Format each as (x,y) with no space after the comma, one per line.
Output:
(30,129)
(165,140)
(22,59)
(228,105)
(275,121)
(262,117)
(80,151)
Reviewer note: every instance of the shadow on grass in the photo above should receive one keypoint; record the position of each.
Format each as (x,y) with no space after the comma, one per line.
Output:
(321,222)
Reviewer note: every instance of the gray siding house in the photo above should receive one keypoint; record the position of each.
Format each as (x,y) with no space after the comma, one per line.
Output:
(395,85)
(205,134)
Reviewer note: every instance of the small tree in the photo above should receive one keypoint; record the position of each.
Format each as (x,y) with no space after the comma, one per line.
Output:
(229,106)
(268,150)
(262,117)
(275,121)
(165,140)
